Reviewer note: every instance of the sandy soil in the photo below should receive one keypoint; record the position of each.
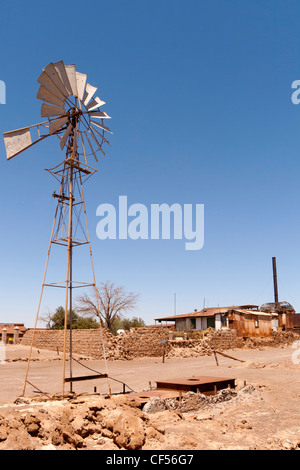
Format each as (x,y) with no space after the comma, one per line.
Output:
(263,415)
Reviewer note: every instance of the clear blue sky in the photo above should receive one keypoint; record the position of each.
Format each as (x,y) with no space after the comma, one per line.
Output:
(200,98)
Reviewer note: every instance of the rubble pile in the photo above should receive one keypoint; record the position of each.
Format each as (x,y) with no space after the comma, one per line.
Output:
(192,401)
(282,338)
(94,422)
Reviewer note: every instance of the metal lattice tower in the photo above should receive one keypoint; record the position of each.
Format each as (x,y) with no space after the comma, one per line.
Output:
(75,118)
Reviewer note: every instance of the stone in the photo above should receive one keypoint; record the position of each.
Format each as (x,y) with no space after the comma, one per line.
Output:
(32,424)
(128,431)
(154,405)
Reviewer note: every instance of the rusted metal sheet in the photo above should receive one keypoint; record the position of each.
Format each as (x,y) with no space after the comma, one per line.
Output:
(251,324)
(293,321)
(202,384)
(144,397)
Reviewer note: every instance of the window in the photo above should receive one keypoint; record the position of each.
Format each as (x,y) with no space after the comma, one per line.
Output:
(224,321)
(256,323)
(211,322)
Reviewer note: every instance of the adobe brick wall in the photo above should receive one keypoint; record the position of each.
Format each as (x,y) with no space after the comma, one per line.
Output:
(146,342)
(203,346)
(137,343)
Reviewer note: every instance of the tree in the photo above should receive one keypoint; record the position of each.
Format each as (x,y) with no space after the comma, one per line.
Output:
(133,323)
(86,323)
(56,320)
(47,318)
(113,303)
(126,324)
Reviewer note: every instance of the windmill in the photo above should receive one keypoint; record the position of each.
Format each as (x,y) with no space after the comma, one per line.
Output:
(73,115)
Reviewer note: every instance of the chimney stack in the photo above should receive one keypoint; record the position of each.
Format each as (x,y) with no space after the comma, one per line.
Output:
(275,280)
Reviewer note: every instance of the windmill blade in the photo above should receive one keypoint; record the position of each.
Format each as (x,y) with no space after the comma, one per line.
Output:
(60,69)
(65,136)
(83,147)
(93,152)
(19,140)
(99,115)
(99,145)
(100,135)
(45,95)
(71,73)
(46,81)
(57,124)
(52,72)
(89,93)
(48,111)
(95,104)
(81,81)
(102,126)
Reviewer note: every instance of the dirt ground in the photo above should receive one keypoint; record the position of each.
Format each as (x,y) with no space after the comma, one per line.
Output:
(261,414)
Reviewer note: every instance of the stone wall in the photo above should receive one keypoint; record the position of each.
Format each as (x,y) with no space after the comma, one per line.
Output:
(137,343)
(146,342)
(205,345)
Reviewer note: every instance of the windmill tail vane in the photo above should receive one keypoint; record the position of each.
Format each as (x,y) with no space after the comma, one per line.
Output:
(74,116)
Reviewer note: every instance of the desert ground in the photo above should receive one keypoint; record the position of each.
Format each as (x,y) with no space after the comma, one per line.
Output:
(262,413)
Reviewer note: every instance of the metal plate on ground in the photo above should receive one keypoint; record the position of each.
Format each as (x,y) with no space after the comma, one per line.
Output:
(144,397)
(202,384)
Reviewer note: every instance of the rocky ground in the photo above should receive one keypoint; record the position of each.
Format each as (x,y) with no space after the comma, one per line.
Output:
(91,422)
(262,413)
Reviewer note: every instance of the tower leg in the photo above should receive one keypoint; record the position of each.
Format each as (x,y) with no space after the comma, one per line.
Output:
(43,286)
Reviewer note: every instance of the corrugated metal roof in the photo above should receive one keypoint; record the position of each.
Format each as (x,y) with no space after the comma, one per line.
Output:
(211,312)
(255,312)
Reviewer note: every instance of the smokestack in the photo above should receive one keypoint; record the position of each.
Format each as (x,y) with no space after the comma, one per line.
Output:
(275,280)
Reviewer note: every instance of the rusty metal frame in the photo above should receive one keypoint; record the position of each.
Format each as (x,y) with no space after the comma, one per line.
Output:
(71,174)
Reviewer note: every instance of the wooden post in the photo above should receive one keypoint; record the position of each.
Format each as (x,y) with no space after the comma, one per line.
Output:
(216,358)
(163,342)
(229,357)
